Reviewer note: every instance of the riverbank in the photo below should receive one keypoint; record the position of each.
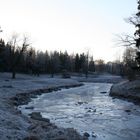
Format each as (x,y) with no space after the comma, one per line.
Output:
(128,90)
(90,109)
(16,126)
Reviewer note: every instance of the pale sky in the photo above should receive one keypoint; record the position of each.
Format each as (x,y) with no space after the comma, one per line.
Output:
(72,25)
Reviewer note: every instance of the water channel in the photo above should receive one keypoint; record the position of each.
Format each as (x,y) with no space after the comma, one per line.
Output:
(89,108)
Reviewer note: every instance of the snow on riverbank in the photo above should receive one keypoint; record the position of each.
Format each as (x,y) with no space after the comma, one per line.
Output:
(14,125)
(129,90)
(90,110)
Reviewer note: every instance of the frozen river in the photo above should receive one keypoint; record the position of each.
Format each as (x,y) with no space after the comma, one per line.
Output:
(90,109)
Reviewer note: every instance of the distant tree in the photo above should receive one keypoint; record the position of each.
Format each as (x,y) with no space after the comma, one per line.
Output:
(91,65)
(16,52)
(82,62)
(116,67)
(40,61)
(16,55)
(52,65)
(86,64)
(133,40)
(77,63)
(64,61)
(2,55)
(129,56)
(129,62)
(47,58)
(99,65)
(2,48)
(72,63)
(30,60)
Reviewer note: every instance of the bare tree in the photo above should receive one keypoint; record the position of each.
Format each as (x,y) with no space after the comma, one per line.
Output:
(17,48)
(129,56)
(126,40)
(133,40)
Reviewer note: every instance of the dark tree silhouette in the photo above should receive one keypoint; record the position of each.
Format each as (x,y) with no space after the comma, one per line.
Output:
(54,63)
(2,55)
(16,55)
(77,63)
(91,65)
(16,52)
(137,34)
(133,40)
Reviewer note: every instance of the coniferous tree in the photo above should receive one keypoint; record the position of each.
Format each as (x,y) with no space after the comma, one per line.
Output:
(91,65)
(16,56)
(77,63)
(2,55)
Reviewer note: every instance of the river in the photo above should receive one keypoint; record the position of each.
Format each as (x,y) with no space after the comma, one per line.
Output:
(90,109)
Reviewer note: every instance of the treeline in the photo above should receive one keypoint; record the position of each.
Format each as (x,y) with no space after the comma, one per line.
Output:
(18,56)
(127,66)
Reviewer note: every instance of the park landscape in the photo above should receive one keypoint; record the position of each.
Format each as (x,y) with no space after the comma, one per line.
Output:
(59,95)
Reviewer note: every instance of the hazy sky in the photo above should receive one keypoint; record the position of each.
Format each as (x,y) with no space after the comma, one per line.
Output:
(72,25)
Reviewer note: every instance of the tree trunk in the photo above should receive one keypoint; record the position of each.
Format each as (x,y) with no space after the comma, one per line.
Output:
(86,74)
(13,73)
(52,75)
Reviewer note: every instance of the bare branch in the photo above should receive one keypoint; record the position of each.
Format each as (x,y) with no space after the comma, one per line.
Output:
(126,40)
(134,20)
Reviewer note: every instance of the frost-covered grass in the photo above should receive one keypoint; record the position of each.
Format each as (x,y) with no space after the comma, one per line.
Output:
(102,78)
(128,90)
(14,125)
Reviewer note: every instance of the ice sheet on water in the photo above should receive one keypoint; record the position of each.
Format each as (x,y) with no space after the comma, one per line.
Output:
(88,110)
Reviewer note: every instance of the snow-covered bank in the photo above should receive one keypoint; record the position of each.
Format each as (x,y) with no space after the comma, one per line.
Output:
(129,90)
(13,124)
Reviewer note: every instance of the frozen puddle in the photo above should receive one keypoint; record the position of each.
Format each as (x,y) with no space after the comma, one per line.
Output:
(89,109)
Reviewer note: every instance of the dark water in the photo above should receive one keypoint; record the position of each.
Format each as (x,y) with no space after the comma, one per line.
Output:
(90,109)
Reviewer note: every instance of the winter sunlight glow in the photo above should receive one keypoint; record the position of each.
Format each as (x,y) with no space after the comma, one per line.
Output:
(72,25)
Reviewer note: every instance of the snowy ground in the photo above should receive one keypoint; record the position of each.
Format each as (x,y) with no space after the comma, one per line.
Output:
(14,125)
(104,78)
(129,90)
